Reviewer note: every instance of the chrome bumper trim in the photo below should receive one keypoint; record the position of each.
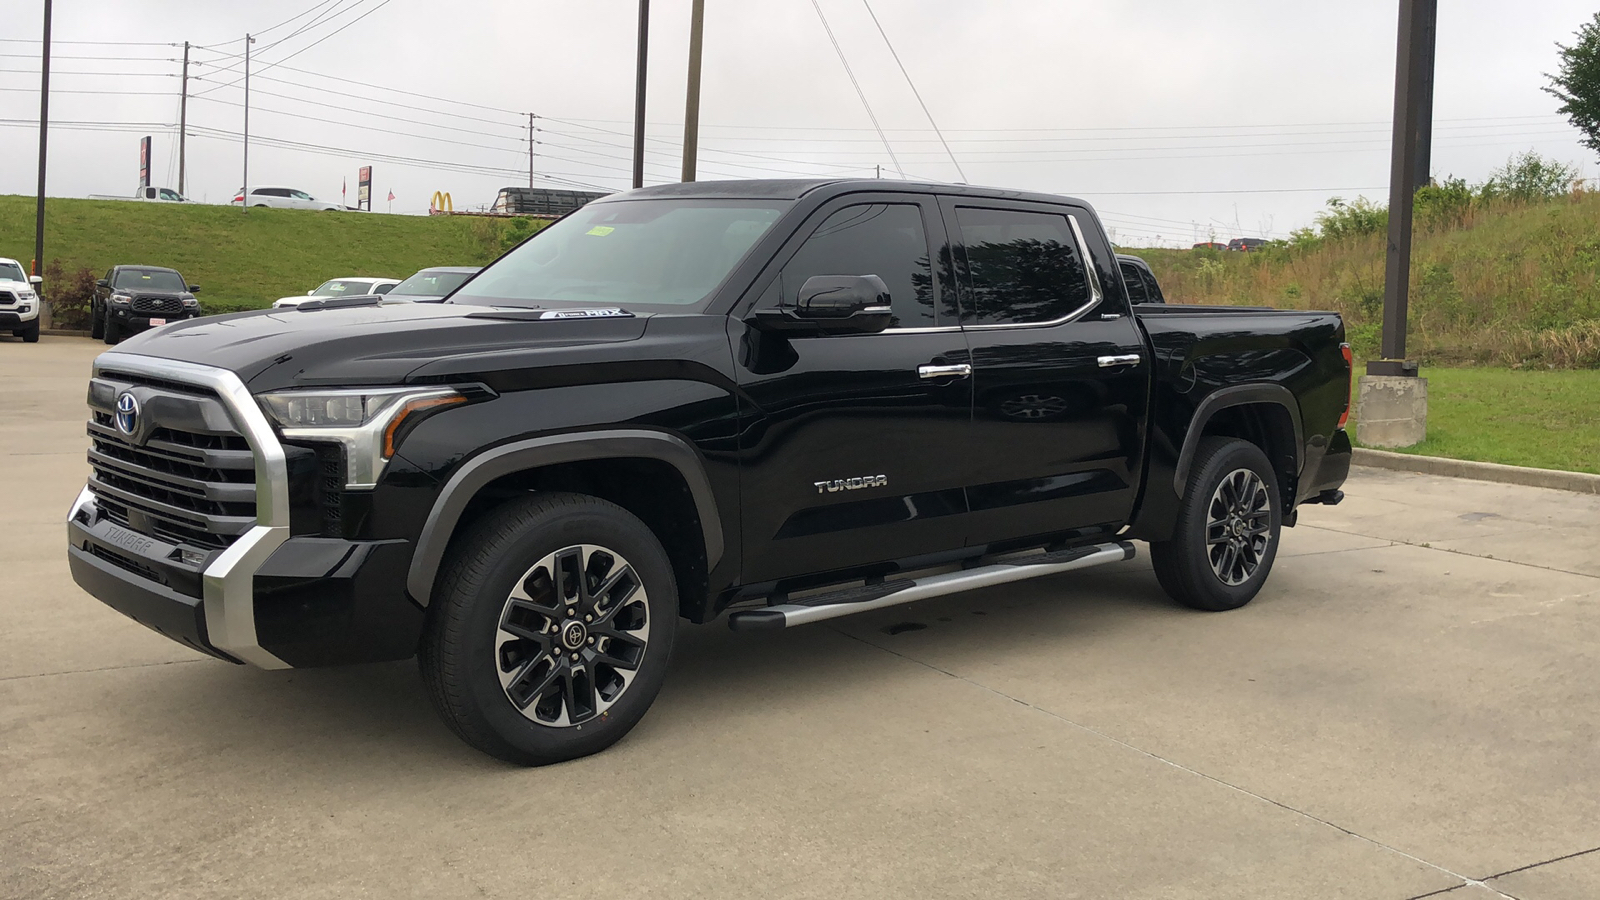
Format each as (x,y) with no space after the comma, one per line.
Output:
(230,579)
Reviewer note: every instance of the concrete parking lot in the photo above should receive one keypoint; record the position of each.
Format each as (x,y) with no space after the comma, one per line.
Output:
(1410,708)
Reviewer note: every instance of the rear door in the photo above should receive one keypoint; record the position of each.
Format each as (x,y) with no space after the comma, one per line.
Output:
(1061,373)
(851,441)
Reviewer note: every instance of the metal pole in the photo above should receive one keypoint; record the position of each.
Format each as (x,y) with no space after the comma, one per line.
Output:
(1413,68)
(1427,25)
(638,94)
(44,135)
(530,151)
(691,113)
(183,120)
(245,191)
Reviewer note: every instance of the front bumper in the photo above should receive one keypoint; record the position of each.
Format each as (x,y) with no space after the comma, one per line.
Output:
(132,321)
(12,318)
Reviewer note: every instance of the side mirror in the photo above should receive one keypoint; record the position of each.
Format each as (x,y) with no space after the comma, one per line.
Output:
(35,280)
(103,283)
(311,293)
(194,288)
(831,304)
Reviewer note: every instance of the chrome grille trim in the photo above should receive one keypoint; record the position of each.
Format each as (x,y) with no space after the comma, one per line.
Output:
(229,590)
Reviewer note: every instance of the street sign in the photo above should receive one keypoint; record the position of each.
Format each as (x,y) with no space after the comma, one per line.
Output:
(144,162)
(364,189)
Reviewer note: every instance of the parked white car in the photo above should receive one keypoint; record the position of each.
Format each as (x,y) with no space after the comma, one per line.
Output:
(19,301)
(282,198)
(341,287)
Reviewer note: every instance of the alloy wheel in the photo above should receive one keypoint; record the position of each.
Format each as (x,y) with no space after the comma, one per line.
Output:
(1238,526)
(572,636)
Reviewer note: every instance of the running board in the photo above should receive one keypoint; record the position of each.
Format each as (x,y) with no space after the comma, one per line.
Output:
(849,601)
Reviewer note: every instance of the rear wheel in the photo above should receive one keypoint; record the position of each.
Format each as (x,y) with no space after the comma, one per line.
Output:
(550,637)
(1227,533)
(97,322)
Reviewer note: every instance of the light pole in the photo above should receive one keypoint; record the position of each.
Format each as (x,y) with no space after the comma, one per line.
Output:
(638,94)
(44,142)
(691,113)
(244,192)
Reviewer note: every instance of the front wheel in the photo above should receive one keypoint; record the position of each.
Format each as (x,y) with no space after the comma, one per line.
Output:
(113,330)
(30,332)
(1227,532)
(549,637)
(97,323)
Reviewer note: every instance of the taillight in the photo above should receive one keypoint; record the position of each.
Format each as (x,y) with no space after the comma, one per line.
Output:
(239,199)
(1349,382)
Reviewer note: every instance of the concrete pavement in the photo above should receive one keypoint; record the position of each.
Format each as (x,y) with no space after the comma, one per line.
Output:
(1409,708)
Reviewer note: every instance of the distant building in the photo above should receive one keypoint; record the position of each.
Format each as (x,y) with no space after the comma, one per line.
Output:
(521,201)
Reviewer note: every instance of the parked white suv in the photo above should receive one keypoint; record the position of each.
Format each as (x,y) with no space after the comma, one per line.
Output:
(19,301)
(282,198)
(341,287)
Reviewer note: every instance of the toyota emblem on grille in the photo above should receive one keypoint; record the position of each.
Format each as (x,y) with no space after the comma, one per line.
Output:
(127,413)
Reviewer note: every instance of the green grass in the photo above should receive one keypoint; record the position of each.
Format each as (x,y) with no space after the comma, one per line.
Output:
(1544,419)
(245,260)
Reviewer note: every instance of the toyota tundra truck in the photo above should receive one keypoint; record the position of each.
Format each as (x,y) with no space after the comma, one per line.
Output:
(768,402)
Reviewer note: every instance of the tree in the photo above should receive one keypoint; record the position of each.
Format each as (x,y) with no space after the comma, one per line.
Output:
(1577,85)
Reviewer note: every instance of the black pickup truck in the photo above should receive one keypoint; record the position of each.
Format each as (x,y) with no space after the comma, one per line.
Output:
(772,401)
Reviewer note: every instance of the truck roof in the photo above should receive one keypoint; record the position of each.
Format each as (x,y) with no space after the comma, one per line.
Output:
(795,188)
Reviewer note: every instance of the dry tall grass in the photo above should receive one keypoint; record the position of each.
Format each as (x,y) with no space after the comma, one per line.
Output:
(1503,283)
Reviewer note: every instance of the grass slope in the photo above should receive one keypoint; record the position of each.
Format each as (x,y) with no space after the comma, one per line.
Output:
(1545,419)
(244,260)
(1508,284)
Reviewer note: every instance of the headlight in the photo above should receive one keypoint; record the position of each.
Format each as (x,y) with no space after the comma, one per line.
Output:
(25,295)
(364,421)
(191,303)
(121,299)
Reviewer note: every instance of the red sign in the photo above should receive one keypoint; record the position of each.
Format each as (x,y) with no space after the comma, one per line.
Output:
(364,189)
(144,162)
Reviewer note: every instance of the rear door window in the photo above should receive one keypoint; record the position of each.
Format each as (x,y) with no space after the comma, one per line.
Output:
(883,239)
(1134,279)
(1020,267)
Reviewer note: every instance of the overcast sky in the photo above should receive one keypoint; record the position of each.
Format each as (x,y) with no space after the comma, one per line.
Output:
(1178,120)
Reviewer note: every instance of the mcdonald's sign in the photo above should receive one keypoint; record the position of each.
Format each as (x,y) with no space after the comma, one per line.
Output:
(441,203)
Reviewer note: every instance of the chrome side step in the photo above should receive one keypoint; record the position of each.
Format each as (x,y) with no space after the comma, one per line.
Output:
(845,602)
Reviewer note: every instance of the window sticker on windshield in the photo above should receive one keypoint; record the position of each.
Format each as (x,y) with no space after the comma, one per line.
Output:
(601,230)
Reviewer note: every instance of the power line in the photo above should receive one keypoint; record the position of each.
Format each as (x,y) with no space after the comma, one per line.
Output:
(292,18)
(859,93)
(424,137)
(273,65)
(916,93)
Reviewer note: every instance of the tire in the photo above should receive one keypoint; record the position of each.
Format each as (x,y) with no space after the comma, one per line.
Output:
(1232,499)
(97,323)
(30,332)
(490,657)
(112,332)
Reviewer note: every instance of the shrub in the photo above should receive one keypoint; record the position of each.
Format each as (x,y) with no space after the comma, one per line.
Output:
(70,296)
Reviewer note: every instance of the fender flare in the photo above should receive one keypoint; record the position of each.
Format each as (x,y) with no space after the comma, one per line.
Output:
(518,456)
(1237,395)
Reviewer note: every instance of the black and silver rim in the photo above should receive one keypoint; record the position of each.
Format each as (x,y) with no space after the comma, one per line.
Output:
(572,636)
(1238,526)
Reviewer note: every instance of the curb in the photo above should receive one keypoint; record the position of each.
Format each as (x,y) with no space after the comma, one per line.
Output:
(1580,482)
(63,332)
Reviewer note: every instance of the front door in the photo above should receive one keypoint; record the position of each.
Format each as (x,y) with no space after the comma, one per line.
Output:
(1061,376)
(847,452)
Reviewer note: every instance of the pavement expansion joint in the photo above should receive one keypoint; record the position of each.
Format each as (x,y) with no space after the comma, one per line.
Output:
(1425,545)
(151,665)
(1466,881)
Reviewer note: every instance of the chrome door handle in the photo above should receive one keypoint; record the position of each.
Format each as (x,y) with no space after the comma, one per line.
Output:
(1131,359)
(960,370)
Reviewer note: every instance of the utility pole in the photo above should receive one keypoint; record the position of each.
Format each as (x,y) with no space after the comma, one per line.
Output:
(638,94)
(183,119)
(1393,401)
(245,207)
(530,151)
(44,135)
(691,113)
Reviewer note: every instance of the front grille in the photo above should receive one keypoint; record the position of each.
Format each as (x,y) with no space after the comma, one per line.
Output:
(180,486)
(157,305)
(6,297)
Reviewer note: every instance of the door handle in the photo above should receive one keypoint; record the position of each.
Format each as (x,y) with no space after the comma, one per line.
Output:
(960,370)
(1130,359)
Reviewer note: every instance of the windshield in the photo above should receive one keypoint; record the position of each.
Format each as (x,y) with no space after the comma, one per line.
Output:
(627,253)
(430,284)
(144,280)
(12,272)
(343,289)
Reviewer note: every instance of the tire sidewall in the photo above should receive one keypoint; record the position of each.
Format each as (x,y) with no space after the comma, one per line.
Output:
(596,523)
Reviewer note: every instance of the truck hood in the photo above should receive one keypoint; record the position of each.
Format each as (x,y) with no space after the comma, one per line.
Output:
(375,345)
(152,295)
